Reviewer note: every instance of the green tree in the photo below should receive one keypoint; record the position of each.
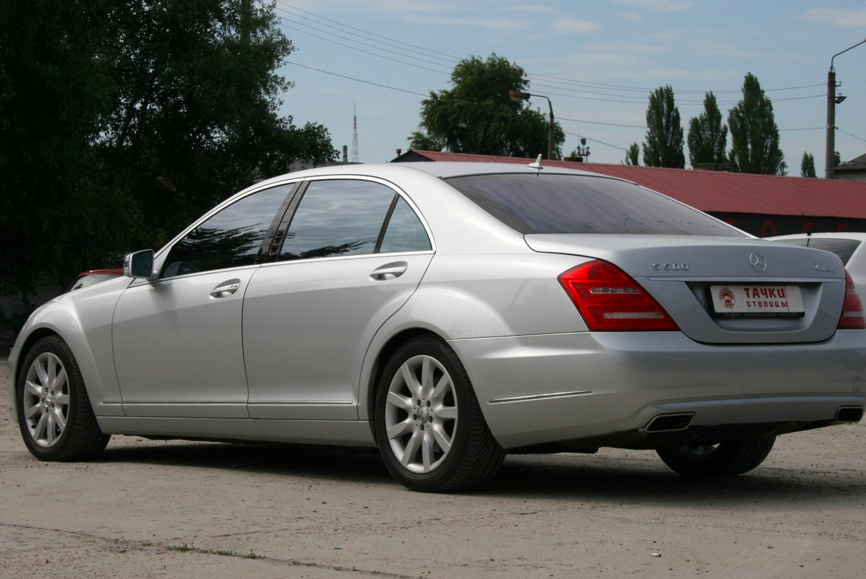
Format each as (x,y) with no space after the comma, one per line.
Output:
(104,103)
(632,154)
(807,165)
(664,137)
(57,212)
(754,134)
(708,135)
(477,115)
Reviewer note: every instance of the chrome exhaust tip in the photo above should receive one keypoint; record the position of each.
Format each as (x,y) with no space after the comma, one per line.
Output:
(849,414)
(670,422)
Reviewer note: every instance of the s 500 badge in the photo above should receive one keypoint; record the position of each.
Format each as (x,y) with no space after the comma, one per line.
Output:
(671,266)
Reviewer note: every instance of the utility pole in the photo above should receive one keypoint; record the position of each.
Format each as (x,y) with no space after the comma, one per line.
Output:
(355,156)
(832,101)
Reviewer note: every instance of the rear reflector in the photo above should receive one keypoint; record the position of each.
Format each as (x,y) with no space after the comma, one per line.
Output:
(611,301)
(852,311)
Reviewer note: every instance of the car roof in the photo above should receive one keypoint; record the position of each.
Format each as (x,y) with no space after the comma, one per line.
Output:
(443,170)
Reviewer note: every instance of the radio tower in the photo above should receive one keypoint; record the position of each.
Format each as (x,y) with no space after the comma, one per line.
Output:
(355,158)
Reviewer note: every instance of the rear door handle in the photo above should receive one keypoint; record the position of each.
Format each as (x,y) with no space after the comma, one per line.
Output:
(226,288)
(389,271)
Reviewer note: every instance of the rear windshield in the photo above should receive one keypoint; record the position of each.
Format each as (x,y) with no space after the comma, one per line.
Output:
(844,248)
(581,204)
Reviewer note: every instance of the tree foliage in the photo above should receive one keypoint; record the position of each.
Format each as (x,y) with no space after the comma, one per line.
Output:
(664,138)
(477,116)
(708,134)
(754,134)
(807,165)
(121,121)
(632,154)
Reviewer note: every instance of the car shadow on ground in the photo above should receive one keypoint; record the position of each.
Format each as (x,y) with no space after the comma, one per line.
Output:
(538,477)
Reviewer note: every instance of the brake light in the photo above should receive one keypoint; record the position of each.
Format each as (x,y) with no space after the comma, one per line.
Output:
(852,311)
(611,301)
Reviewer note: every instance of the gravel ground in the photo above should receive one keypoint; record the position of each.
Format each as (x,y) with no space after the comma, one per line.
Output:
(183,509)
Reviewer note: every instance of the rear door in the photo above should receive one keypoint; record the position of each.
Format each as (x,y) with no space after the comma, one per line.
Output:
(352,253)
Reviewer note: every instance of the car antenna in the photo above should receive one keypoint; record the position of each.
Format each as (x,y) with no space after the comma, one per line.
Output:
(808,233)
(537,164)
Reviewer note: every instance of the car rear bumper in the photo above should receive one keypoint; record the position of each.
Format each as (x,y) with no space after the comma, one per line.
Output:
(603,386)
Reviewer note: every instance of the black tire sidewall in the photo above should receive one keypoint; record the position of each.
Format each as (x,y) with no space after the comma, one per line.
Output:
(439,478)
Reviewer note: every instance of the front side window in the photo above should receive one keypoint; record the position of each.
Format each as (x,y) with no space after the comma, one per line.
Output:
(231,238)
(337,217)
(582,204)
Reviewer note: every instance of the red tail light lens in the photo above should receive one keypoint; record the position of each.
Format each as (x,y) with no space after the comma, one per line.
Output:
(852,311)
(611,301)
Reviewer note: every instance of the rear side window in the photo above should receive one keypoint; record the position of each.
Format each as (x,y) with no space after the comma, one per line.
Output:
(405,232)
(844,248)
(579,204)
(337,217)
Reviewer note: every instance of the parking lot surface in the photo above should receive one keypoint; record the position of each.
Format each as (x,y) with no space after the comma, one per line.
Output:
(192,509)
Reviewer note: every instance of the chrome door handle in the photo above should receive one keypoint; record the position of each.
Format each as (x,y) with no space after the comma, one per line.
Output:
(226,288)
(389,271)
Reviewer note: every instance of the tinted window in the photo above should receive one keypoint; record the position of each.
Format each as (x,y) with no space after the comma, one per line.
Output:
(231,238)
(337,217)
(405,232)
(844,248)
(575,204)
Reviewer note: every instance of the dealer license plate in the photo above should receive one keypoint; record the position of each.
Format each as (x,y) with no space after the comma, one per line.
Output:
(757,299)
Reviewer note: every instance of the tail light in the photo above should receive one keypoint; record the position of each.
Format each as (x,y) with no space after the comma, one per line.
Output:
(852,311)
(611,301)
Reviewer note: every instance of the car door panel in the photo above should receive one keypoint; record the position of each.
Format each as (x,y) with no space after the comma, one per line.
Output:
(178,346)
(307,325)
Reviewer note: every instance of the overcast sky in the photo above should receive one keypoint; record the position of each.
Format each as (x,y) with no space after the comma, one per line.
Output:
(597,61)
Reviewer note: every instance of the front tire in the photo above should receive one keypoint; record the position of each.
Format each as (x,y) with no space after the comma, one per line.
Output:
(717,460)
(429,426)
(54,412)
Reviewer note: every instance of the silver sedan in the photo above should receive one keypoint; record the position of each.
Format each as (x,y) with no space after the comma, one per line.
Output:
(451,313)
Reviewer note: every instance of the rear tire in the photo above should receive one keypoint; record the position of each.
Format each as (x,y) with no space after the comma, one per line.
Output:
(429,426)
(54,412)
(719,460)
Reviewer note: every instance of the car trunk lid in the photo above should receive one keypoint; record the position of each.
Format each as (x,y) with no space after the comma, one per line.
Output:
(704,283)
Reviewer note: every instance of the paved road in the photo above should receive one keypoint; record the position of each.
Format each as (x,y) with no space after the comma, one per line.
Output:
(181,509)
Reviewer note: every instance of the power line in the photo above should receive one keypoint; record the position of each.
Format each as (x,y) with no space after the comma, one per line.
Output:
(600,123)
(356,79)
(293,10)
(595,141)
(850,135)
(455,58)
(361,50)
(373,46)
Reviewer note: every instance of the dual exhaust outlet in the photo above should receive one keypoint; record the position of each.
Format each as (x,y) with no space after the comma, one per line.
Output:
(681,421)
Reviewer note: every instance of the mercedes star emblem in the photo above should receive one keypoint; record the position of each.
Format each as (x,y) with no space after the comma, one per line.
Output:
(757,261)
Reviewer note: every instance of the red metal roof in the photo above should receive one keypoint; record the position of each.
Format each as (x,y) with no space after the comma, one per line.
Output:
(712,191)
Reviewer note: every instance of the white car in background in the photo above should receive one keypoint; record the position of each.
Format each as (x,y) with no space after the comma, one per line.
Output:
(849,246)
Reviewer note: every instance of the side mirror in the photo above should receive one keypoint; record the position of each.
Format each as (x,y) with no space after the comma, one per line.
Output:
(139,265)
